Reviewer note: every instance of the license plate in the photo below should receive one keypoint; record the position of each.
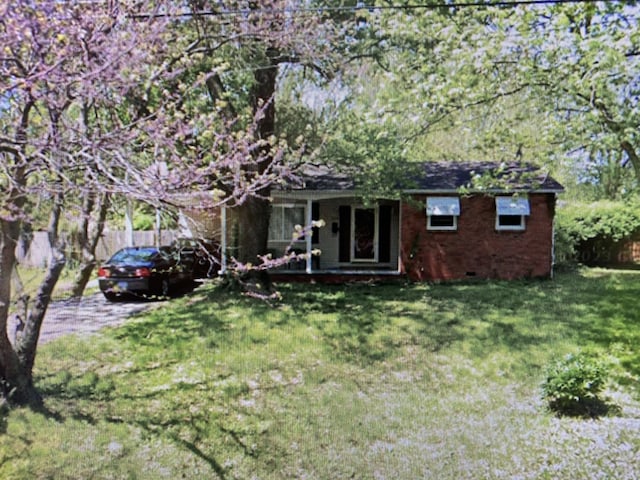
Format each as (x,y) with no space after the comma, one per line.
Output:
(122,285)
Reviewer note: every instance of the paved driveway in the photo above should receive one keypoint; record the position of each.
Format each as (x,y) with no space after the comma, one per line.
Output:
(87,315)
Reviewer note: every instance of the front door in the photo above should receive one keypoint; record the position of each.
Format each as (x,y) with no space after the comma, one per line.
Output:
(364,243)
(364,234)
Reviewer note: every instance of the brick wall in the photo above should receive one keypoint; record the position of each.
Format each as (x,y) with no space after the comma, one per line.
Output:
(476,248)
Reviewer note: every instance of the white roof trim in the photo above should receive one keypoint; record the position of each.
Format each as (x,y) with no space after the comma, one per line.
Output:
(478,192)
(329,194)
(314,194)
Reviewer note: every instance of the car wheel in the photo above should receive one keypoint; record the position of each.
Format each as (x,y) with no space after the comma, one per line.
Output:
(110,296)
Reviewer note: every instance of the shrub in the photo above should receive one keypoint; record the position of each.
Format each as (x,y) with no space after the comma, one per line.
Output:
(591,233)
(572,385)
(144,221)
(565,247)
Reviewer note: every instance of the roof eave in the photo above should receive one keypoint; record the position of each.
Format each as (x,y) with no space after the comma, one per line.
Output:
(314,194)
(423,191)
(330,194)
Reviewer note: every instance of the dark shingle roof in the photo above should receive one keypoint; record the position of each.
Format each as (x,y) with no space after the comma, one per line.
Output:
(322,178)
(446,176)
(484,175)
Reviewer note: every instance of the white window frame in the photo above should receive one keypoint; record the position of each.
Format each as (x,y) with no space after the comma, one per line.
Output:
(449,228)
(512,207)
(376,211)
(286,234)
(449,207)
(513,228)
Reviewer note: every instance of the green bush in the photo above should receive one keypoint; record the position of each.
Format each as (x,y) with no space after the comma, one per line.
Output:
(565,247)
(144,221)
(573,384)
(591,233)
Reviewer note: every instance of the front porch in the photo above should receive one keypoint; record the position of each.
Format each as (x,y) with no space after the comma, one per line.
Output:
(357,239)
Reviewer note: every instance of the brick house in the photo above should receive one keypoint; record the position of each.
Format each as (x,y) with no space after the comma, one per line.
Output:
(444,226)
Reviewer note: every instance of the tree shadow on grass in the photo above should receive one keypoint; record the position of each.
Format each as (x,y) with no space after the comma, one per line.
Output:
(164,430)
(163,411)
(363,324)
(589,408)
(199,319)
(513,316)
(165,414)
(367,323)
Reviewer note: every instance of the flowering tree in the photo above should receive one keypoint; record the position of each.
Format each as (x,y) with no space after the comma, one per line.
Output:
(117,98)
(58,66)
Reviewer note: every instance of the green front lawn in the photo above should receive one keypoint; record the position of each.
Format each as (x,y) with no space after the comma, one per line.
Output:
(31,278)
(397,381)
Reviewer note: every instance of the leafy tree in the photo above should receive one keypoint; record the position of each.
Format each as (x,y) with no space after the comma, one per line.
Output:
(604,175)
(102,101)
(371,150)
(244,51)
(555,84)
(584,60)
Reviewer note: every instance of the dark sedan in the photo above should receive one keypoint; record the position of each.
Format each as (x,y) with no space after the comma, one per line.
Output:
(143,270)
(202,254)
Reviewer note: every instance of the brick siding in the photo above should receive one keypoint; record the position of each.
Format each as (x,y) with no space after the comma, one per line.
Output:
(476,248)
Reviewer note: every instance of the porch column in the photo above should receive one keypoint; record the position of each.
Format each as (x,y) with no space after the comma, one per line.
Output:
(223,240)
(128,225)
(309,236)
(400,262)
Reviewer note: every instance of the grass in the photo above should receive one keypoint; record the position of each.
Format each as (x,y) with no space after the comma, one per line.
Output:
(359,381)
(31,278)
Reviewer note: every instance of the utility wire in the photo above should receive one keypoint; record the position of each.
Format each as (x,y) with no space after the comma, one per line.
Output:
(372,8)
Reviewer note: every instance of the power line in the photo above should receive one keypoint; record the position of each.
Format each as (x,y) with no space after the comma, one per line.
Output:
(357,8)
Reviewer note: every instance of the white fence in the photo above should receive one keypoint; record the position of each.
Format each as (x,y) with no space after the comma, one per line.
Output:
(37,253)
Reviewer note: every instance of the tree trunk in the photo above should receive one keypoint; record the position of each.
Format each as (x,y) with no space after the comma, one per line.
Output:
(16,362)
(634,158)
(254,214)
(26,344)
(15,381)
(253,233)
(89,238)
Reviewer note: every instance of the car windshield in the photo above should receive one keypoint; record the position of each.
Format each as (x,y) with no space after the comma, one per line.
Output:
(131,255)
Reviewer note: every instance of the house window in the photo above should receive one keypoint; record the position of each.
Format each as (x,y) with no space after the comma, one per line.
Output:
(283,221)
(443,213)
(511,213)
